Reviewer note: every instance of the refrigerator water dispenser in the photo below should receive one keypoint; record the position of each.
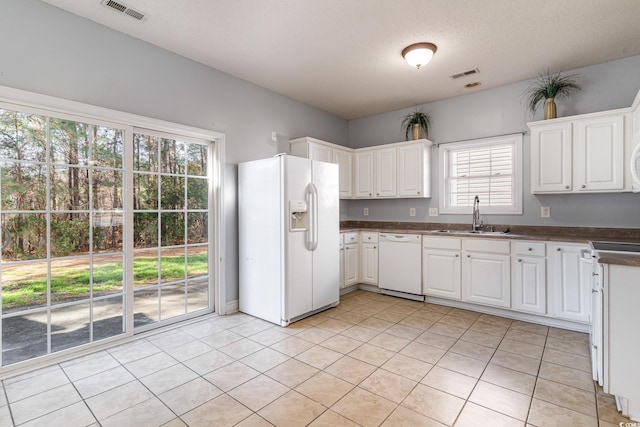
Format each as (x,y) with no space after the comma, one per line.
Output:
(298,215)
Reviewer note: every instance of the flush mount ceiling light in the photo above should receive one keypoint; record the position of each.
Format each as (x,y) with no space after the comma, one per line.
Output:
(419,54)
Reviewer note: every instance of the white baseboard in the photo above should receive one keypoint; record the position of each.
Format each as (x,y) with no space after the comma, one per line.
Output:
(231,307)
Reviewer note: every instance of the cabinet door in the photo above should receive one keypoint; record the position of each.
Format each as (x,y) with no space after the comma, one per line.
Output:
(370,263)
(385,172)
(486,278)
(364,174)
(320,152)
(411,170)
(571,293)
(441,275)
(551,158)
(344,159)
(341,273)
(529,284)
(350,265)
(599,154)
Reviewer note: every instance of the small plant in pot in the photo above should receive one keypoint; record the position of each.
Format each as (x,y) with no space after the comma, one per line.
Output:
(416,124)
(548,87)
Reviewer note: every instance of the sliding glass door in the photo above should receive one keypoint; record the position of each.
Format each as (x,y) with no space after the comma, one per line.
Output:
(171,227)
(105,231)
(61,187)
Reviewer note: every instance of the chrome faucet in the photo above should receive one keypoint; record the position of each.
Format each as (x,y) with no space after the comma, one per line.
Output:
(475,221)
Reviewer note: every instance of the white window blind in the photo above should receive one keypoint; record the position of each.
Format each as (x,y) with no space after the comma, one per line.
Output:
(488,168)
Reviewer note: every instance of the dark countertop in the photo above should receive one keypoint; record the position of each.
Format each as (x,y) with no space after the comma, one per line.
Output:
(620,259)
(516,232)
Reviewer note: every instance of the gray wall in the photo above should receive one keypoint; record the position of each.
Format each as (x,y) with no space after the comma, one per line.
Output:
(501,111)
(50,51)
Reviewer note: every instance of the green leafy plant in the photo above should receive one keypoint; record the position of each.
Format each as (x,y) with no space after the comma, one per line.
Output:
(550,85)
(418,117)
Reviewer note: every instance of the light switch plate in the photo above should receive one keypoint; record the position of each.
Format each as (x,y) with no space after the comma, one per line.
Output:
(412,211)
(433,211)
(365,212)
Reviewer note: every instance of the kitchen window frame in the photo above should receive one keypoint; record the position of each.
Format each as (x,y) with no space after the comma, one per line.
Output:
(445,150)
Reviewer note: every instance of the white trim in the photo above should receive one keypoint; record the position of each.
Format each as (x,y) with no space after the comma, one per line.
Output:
(232,306)
(443,151)
(60,105)
(57,107)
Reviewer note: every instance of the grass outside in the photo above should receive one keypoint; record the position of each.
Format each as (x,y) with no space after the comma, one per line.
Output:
(73,282)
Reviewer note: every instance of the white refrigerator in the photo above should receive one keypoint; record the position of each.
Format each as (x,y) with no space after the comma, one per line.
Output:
(288,224)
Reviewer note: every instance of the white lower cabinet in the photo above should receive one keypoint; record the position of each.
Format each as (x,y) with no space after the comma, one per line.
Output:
(341,269)
(351,264)
(486,272)
(369,258)
(529,282)
(441,276)
(568,282)
(349,259)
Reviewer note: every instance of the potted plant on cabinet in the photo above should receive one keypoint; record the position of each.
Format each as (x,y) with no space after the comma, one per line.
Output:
(548,87)
(416,123)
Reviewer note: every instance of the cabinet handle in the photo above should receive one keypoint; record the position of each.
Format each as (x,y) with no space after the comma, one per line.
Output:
(567,187)
(377,194)
(418,192)
(457,255)
(519,260)
(559,249)
(468,256)
(530,249)
(369,193)
(594,274)
(583,186)
(375,247)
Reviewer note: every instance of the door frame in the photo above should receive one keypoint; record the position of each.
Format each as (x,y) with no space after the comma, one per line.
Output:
(30,100)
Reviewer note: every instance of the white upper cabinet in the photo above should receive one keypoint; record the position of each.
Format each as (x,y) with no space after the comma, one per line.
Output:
(323,151)
(385,172)
(364,174)
(599,153)
(578,154)
(398,170)
(551,158)
(320,152)
(414,179)
(344,160)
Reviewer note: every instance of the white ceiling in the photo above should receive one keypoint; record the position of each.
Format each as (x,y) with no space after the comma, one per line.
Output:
(343,56)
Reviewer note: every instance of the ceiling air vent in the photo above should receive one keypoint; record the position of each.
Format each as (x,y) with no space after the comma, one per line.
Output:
(119,7)
(464,74)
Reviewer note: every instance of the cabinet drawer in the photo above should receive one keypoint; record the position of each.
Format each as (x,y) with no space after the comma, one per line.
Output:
(351,237)
(530,248)
(486,245)
(441,242)
(369,237)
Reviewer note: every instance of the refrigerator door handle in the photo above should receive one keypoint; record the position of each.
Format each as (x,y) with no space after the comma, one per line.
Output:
(311,196)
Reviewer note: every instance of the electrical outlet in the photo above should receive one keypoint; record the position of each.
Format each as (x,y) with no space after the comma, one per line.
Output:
(545,212)
(274,136)
(365,212)
(433,211)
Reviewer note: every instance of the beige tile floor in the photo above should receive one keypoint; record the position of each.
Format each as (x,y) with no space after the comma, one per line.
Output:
(373,360)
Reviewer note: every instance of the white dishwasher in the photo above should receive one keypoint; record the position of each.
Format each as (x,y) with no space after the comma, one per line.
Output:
(400,265)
